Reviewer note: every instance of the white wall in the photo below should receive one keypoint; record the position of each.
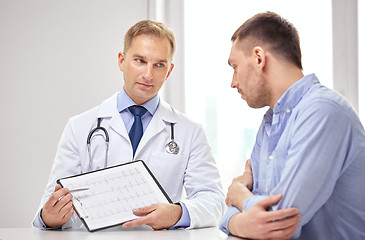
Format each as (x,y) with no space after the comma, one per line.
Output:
(57,59)
(345,49)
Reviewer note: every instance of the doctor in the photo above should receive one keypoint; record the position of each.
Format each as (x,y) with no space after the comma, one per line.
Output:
(146,63)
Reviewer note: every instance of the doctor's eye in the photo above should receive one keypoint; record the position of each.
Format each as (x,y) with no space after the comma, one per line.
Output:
(139,60)
(160,65)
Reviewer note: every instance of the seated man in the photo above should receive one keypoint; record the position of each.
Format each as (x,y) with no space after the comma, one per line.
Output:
(310,146)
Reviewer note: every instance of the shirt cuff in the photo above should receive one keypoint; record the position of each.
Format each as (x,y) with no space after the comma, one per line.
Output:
(223,224)
(184,221)
(44,226)
(249,202)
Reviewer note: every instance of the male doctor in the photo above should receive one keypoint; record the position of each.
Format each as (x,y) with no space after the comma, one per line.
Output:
(146,63)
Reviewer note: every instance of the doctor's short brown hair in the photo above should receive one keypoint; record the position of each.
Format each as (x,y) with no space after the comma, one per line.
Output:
(152,28)
(274,32)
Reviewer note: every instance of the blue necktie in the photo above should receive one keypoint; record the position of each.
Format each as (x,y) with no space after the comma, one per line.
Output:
(136,132)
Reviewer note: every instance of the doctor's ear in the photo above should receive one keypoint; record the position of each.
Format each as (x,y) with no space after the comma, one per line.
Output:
(121,58)
(170,70)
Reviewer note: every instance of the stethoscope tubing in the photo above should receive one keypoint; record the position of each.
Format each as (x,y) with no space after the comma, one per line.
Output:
(88,142)
(171,147)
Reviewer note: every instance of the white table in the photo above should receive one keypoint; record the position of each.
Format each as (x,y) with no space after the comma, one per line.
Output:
(140,233)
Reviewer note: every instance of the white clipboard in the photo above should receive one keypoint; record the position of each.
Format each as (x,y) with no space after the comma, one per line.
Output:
(112,194)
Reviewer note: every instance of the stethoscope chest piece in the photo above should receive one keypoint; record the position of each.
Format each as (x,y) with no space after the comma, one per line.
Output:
(172,146)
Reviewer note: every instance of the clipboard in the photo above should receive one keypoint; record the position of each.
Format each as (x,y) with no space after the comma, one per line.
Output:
(112,194)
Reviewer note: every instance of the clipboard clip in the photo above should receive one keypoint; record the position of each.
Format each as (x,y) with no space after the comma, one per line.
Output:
(78,213)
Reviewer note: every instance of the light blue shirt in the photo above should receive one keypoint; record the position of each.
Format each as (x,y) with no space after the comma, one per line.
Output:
(124,102)
(311,148)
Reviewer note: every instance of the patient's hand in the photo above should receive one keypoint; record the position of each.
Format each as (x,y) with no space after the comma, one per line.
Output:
(240,188)
(258,223)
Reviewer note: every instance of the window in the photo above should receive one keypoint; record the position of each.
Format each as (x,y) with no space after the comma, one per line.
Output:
(361,27)
(230,124)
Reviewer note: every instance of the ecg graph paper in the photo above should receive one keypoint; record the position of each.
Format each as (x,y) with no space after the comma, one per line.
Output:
(113,193)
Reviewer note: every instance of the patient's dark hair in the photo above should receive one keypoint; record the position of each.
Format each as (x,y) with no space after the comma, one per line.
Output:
(274,32)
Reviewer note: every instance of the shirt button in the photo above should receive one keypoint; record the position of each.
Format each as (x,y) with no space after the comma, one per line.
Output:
(288,110)
(271,157)
(266,189)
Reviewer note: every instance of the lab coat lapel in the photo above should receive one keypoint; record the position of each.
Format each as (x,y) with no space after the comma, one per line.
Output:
(108,109)
(117,124)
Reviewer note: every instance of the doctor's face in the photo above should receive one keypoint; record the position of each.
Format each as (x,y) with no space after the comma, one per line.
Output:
(145,66)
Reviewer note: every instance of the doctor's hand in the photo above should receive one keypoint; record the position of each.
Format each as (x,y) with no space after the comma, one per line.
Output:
(257,223)
(58,209)
(240,188)
(158,216)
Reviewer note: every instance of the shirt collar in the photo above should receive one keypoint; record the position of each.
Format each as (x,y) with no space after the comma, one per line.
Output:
(292,96)
(124,101)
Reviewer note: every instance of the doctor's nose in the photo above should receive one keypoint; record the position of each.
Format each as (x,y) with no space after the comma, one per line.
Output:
(147,73)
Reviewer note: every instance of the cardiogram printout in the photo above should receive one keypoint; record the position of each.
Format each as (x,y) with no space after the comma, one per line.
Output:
(113,193)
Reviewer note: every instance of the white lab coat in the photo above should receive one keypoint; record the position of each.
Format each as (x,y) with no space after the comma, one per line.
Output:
(193,168)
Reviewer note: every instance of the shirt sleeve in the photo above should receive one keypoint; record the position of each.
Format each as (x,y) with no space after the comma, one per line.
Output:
(184,221)
(223,224)
(249,202)
(38,223)
(314,160)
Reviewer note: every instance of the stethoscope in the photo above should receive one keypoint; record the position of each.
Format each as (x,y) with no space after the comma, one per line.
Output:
(88,142)
(172,147)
